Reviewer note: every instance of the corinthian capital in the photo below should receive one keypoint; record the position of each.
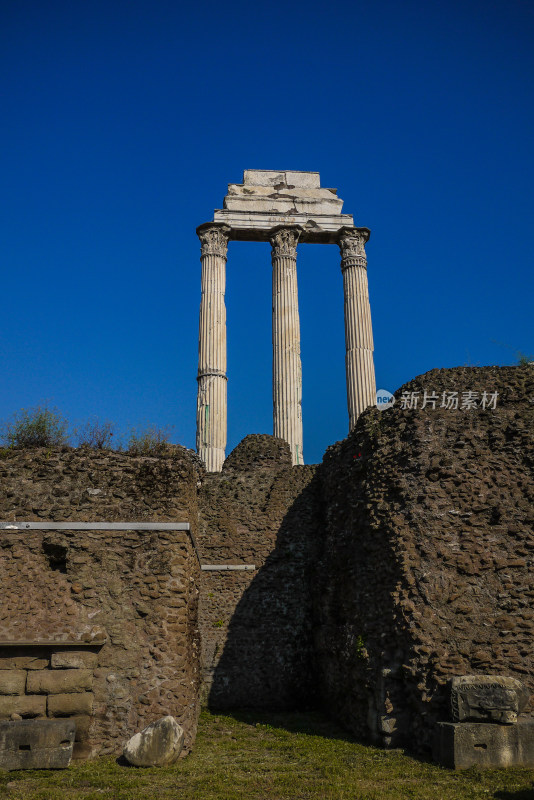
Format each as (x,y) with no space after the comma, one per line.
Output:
(352,245)
(284,240)
(213,239)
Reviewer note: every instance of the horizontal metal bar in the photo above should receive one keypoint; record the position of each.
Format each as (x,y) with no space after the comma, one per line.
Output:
(242,567)
(95,526)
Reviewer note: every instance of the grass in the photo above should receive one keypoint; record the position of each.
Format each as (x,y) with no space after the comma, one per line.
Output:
(250,756)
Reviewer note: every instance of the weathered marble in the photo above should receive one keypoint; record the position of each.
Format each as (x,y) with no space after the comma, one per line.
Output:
(266,204)
(269,198)
(487,698)
(287,369)
(359,363)
(211,398)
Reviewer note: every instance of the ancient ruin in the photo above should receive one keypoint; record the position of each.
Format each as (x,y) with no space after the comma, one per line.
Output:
(283,208)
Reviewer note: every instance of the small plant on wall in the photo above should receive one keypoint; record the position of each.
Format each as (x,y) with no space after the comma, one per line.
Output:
(35,427)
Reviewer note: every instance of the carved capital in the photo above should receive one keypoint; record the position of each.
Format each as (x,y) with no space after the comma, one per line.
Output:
(352,246)
(284,240)
(213,239)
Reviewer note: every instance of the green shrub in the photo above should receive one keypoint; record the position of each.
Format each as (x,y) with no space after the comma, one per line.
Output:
(523,359)
(150,441)
(95,434)
(35,427)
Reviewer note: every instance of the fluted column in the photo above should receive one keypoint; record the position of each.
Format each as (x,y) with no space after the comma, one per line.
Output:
(211,399)
(287,369)
(361,386)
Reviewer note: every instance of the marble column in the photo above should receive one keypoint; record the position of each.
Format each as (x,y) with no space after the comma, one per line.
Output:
(287,369)
(211,399)
(361,386)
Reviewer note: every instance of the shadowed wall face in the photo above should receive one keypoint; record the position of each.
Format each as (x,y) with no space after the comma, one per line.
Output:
(428,560)
(257,626)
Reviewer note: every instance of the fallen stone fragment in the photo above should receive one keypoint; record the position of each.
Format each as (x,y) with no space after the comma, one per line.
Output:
(487,698)
(158,745)
(36,744)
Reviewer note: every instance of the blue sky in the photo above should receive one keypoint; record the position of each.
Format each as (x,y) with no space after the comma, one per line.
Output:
(122,124)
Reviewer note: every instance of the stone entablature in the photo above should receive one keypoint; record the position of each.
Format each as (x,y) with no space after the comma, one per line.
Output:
(269,198)
(283,207)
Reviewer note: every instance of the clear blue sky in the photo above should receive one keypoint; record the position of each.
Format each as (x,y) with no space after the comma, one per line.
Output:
(123,122)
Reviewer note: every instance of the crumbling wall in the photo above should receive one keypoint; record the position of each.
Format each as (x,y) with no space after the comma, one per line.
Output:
(428,561)
(128,598)
(257,626)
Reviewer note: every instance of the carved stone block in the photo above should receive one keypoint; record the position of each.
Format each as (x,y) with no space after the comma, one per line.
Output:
(487,698)
(36,744)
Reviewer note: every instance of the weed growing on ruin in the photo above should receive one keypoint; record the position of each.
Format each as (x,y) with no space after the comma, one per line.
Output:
(150,441)
(95,434)
(523,359)
(361,650)
(35,427)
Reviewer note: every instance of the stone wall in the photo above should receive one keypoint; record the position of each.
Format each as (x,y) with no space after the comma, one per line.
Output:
(136,592)
(402,560)
(427,568)
(257,626)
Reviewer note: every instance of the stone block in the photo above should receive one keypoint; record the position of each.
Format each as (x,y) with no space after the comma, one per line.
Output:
(12,681)
(26,705)
(487,698)
(60,681)
(157,745)
(36,744)
(83,723)
(482,744)
(68,705)
(82,751)
(74,659)
(23,662)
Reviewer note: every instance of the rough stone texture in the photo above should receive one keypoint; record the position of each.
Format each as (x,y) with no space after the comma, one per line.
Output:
(12,681)
(59,681)
(24,705)
(403,560)
(257,626)
(137,591)
(427,568)
(68,705)
(158,745)
(74,659)
(487,698)
(480,744)
(36,744)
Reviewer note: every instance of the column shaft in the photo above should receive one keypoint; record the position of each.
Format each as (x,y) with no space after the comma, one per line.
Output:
(287,369)
(361,386)
(211,399)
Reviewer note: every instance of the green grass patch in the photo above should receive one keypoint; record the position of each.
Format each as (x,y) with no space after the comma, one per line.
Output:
(250,756)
